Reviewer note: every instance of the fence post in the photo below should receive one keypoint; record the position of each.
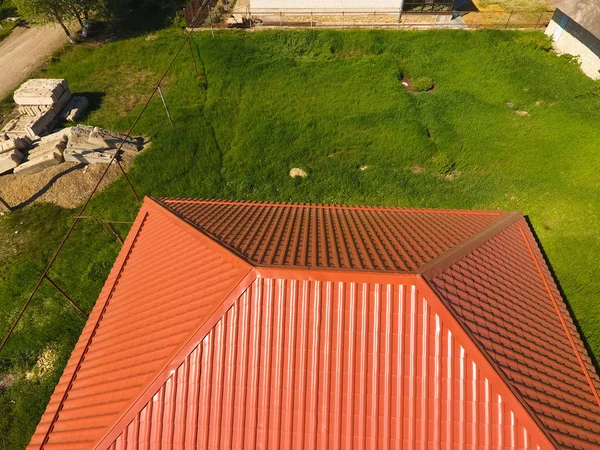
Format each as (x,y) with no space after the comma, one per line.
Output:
(508,21)
(539,18)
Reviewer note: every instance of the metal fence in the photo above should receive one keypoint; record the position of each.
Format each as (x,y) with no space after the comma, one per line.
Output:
(402,20)
(515,19)
(198,11)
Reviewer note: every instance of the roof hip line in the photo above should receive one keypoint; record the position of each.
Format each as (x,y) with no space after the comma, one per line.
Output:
(561,318)
(438,265)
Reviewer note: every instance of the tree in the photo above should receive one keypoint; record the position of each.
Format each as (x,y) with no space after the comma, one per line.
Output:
(47,11)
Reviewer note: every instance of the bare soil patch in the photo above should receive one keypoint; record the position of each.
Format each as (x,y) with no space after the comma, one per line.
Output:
(66,185)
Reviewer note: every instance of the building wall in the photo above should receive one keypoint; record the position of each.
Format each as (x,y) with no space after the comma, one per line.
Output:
(304,364)
(578,41)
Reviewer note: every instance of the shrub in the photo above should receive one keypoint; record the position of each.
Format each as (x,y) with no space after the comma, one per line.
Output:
(443,164)
(422,84)
(179,20)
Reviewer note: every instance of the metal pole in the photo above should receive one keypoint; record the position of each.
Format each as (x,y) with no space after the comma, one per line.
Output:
(125,174)
(165,105)
(61,292)
(193,58)
(116,232)
(89,199)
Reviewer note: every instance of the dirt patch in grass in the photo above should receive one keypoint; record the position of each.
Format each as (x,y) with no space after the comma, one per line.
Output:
(409,85)
(66,185)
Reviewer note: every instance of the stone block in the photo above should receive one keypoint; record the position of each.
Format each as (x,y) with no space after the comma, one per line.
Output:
(10,160)
(10,126)
(62,102)
(41,92)
(59,136)
(36,126)
(89,156)
(15,144)
(110,139)
(75,109)
(57,147)
(39,163)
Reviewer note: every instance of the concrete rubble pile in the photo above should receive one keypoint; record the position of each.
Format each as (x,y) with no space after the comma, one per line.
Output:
(12,152)
(81,144)
(91,145)
(42,103)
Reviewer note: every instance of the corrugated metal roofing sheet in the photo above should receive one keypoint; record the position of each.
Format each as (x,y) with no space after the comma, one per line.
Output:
(508,300)
(166,282)
(179,351)
(299,364)
(333,237)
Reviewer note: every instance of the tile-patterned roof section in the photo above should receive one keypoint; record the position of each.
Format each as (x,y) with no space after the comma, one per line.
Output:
(505,295)
(333,237)
(168,279)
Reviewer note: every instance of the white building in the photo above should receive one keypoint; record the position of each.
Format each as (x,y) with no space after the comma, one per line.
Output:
(575,29)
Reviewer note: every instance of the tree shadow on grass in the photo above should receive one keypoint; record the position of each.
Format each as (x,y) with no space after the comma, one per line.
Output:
(136,18)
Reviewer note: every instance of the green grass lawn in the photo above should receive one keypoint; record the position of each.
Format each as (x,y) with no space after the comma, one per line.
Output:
(329,102)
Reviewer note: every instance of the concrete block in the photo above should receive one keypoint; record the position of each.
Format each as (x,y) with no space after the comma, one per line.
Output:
(38,124)
(10,160)
(39,163)
(62,102)
(57,147)
(89,156)
(59,136)
(76,109)
(15,144)
(110,139)
(10,126)
(80,133)
(41,92)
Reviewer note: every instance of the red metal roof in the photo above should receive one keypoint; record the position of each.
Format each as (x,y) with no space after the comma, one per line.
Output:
(504,293)
(333,237)
(220,332)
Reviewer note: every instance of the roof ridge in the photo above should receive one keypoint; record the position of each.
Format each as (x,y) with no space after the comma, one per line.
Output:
(92,333)
(561,318)
(218,242)
(438,265)
(163,200)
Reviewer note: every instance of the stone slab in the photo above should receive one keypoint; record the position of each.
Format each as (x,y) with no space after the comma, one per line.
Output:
(10,160)
(38,124)
(40,91)
(39,163)
(15,144)
(76,109)
(110,139)
(89,156)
